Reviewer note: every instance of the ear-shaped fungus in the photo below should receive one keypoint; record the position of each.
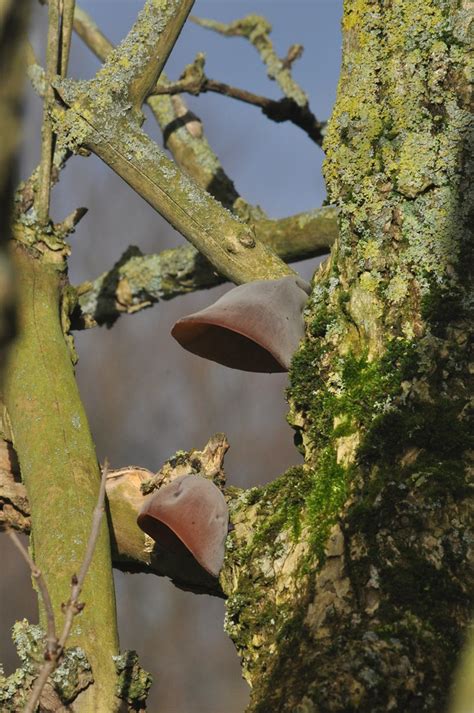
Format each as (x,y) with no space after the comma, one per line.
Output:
(253,327)
(190,511)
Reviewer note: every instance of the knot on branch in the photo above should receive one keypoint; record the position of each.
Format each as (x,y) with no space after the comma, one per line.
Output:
(193,77)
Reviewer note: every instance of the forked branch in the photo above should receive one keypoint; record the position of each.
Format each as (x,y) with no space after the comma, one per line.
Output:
(100,121)
(194,81)
(138,281)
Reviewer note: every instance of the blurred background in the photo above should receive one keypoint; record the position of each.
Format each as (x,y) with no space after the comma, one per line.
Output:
(144,395)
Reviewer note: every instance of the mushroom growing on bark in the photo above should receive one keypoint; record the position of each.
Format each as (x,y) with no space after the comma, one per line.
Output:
(189,516)
(253,327)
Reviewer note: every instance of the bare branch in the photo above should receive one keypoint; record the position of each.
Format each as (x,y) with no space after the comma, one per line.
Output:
(28,189)
(52,55)
(118,140)
(67,16)
(257,30)
(146,48)
(194,81)
(68,225)
(51,638)
(294,53)
(182,131)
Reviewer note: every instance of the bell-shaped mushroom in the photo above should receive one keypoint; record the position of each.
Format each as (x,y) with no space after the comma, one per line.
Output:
(191,512)
(253,327)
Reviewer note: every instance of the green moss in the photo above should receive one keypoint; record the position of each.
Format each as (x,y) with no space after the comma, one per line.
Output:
(358,391)
(320,322)
(434,427)
(133,681)
(379,416)
(329,489)
(280,505)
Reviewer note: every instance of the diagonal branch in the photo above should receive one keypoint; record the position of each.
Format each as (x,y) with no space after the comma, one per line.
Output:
(182,131)
(257,30)
(100,120)
(138,281)
(194,81)
(143,53)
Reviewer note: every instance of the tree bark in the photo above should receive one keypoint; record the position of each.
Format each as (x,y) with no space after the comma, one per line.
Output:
(349,578)
(59,466)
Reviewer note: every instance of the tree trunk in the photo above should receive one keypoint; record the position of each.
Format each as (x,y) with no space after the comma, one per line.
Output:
(349,577)
(58,464)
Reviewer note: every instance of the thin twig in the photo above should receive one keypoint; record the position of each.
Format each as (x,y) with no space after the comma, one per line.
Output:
(25,194)
(68,225)
(51,638)
(52,55)
(73,606)
(256,30)
(285,109)
(67,19)
(77,582)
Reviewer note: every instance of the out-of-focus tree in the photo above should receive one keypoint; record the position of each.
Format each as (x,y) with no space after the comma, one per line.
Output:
(346,580)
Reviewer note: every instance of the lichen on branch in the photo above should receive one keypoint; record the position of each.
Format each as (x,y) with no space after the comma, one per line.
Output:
(138,281)
(100,119)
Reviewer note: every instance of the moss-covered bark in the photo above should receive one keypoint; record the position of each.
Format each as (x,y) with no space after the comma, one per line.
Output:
(349,579)
(58,464)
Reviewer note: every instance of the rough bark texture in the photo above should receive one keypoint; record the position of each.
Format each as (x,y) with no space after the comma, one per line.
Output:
(349,578)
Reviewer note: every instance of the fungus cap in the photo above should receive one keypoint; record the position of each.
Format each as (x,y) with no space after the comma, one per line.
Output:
(254,327)
(192,509)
